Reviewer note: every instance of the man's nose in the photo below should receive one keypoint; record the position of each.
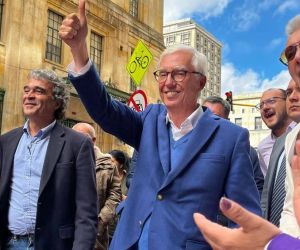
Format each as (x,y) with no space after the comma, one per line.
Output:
(170,81)
(265,107)
(293,96)
(30,94)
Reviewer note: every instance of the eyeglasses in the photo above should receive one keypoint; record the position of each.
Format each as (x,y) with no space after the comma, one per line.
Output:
(288,54)
(269,101)
(177,75)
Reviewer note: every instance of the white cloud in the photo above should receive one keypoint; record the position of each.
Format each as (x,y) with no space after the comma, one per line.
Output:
(280,80)
(225,50)
(250,81)
(287,5)
(176,9)
(275,43)
(267,4)
(245,19)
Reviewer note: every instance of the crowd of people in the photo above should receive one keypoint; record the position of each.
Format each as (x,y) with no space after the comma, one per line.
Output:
(194,181)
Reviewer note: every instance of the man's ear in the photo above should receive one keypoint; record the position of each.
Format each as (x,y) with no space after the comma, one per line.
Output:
(202,82)
(58,104)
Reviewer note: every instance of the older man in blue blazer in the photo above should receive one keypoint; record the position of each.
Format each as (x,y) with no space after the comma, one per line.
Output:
(188,157)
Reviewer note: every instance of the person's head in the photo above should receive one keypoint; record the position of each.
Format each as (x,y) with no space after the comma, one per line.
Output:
(45,96)
(120,159)
(293,101)
(291,53)
(181,75)
(273,110)
(218,106)
(86,129)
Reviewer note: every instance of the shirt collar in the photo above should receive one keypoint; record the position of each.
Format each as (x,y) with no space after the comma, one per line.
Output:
(187,125)
(42,133)
(191,120)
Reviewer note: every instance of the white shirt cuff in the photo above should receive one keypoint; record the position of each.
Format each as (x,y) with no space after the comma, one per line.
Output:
(82,71)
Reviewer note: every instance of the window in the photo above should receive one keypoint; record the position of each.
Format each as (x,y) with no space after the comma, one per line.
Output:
(238,121)
(170,40)
(1,15)
(258,123)
(211,84)
(96,50)
(132,85)
(53,46)
(134,8)
(186,38)
(69,122)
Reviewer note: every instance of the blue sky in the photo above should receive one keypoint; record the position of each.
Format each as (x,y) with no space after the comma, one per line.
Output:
(252,33)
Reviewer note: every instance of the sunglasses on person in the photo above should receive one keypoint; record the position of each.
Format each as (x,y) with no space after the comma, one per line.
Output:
(288,54)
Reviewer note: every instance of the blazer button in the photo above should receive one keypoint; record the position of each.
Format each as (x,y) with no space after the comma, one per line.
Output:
(160,197)
(141,223)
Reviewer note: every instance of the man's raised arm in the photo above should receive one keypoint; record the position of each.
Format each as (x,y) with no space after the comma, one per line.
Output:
(73,32)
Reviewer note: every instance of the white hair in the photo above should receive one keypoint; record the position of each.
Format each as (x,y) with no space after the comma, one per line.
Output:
(199,60)
(293,25)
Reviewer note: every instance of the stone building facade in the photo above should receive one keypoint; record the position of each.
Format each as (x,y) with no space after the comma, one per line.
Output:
(246,115)
(29,39)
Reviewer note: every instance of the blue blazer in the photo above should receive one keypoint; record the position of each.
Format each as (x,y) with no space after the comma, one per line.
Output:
(216,163)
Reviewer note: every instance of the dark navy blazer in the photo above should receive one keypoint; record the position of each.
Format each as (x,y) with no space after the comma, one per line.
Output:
(67,204)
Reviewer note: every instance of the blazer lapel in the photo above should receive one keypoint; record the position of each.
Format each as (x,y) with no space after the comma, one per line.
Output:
(55,146)
(278,148)
(163,142)
(8,152)
(199,137)
(290,145)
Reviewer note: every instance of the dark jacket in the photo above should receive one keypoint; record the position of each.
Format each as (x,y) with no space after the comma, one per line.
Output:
(67,203)
(109,196)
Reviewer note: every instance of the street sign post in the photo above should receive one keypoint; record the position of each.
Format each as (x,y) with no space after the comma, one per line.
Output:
(139,62)
(138,101)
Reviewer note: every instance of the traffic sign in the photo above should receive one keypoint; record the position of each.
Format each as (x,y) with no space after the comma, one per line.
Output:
(138,101)
(139,62)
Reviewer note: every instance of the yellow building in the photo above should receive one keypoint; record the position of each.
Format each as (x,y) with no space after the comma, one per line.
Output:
(29,39)
(246,115)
